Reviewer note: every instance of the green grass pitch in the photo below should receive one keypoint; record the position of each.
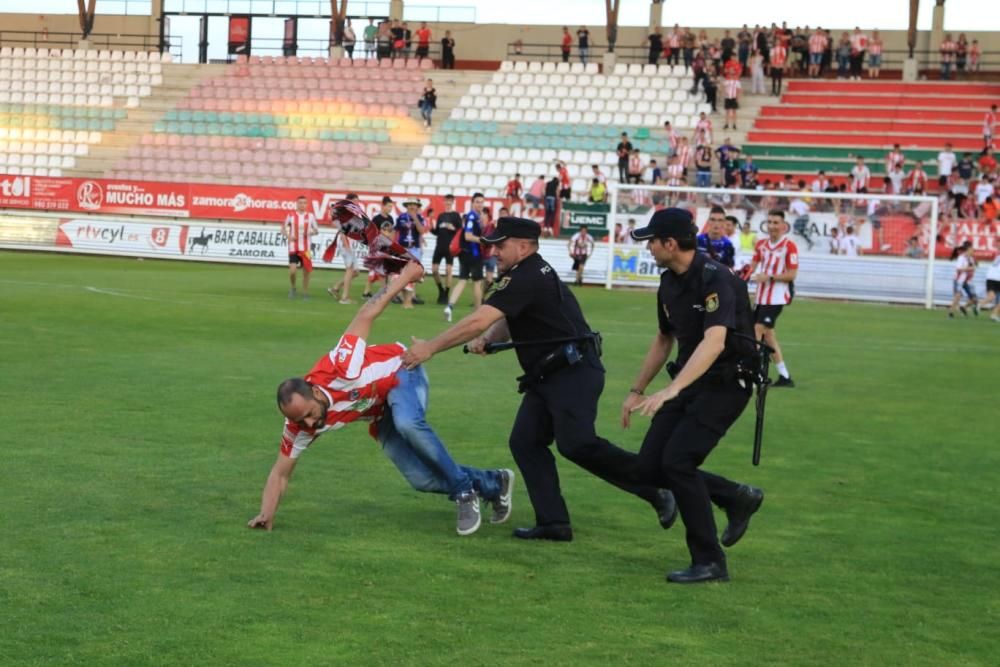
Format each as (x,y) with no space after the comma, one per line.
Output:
(138,425)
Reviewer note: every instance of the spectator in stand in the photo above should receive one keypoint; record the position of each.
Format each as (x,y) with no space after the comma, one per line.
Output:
(966,167)
(859,42)
(635,167)
(349,39)
(895,158)
(817,45)
(655,45)
(757,73)
(598,174)
(551,200)
(732,101)
(703,166)
(671,135)
(583,43)
(674,45)
(835,241)
(512,194)
(398,40)
(860,176)
(748,173)
(961,52)
(697,71)
(843,55)
(947,51)
(850,245)
(535,196)
(714,242)
(688,44)
(916,180)
(447,51)
(779,55)
(894,179)
(581,246)
(448,224)
(984,190)
(710,82)
(703,130)
(965,269)
(990,209)
(685,155)
(989,123)
(565,182)
(371,33)
(987,163)
(470,259)
(384,40)
(761,44)
(624,150)
(567,44)
(428,102)
(743,46)
(874,55)
(675,175)
(799,209)
(820,183)
(652,174)
(728,46)
(732,69)
(975,53)
(946,163)
(423,42)
(913,250)
(598,192)
(726,154)
(715,56)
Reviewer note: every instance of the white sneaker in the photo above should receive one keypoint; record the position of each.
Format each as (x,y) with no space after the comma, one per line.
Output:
(447,313)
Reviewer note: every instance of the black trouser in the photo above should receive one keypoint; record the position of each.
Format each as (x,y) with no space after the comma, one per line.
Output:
(711,92)
(776,75)
(679,439)
(856,60)
(564,408)
(623,170)
(447,60)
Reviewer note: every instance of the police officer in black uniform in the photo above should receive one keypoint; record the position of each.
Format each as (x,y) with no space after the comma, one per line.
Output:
(705,308)
(562,382)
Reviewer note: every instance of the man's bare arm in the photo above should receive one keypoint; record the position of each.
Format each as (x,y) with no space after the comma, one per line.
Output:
(361,325)
(274,489)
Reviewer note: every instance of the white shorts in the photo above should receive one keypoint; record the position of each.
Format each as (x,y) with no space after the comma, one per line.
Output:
(351,257)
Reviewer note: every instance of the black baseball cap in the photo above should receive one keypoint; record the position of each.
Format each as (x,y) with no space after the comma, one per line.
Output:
(667,223)
(513,228)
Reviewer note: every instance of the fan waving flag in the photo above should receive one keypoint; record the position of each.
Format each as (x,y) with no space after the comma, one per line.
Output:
(385,256)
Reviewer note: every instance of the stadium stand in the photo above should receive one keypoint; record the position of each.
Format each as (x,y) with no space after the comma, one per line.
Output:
(540,112)
(825,125)
(282,121)
(55,105)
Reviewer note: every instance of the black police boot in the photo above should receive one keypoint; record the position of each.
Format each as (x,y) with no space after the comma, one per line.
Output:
(782,381)
(560,532)
(442,296)
(699,574)
(666,508)
(417,301)
(748,501)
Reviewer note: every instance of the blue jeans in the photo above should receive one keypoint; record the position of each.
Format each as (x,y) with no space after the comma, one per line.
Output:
(425,111)
(945,71)
(416,450)
(703,179)
(584,54)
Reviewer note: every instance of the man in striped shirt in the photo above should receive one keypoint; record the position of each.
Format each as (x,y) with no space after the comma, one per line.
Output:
(776,262)
(300,226)
(732,89)
(989,122)
(947,51)
(778,56)
(360,382)
(817,45)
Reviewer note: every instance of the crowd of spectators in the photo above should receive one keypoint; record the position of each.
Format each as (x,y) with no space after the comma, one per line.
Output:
(393,39)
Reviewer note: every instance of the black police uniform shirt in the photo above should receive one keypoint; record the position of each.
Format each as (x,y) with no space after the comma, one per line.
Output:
(708,294)
(538,306)
(444,235)
(378,219)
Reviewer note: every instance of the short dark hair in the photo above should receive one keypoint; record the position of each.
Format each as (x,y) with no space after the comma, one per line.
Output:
(291,387)
(449,196)
(686,243)
(386,200)
(717,209)
(302,197)
(478,194)
(733,219)
(352,196)
(776,212)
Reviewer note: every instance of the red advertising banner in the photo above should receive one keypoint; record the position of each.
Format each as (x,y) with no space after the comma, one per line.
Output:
(239,34)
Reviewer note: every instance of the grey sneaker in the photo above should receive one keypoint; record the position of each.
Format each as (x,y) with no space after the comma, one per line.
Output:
(468,513)
(502,505)
(291,293)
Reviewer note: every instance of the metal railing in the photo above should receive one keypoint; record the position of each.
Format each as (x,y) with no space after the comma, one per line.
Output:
(928,60)
(100,41)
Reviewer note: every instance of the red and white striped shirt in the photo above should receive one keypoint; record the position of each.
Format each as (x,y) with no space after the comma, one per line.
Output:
(684,155)
(674,40)
(675,174)
(772,259)
(298,228)
(817,43)
(918,180)
(989,120)
(894,158)
(703,132)
(947,51)
(672,138)
(732,87)
(356,379)
(778,55)
(875,47)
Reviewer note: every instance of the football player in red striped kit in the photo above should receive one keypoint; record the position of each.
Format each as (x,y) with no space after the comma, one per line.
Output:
(300,226)
(356,381)
(776,262)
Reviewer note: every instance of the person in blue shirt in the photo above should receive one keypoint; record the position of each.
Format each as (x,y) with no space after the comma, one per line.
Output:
(748,173)
(714,242)
(470,259)
(410,226)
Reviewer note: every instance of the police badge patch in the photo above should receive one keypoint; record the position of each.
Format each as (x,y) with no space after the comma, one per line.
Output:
(500,284)
(712,302)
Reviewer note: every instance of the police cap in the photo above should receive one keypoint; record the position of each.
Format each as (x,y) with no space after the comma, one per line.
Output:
(513,228)
(668,223)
